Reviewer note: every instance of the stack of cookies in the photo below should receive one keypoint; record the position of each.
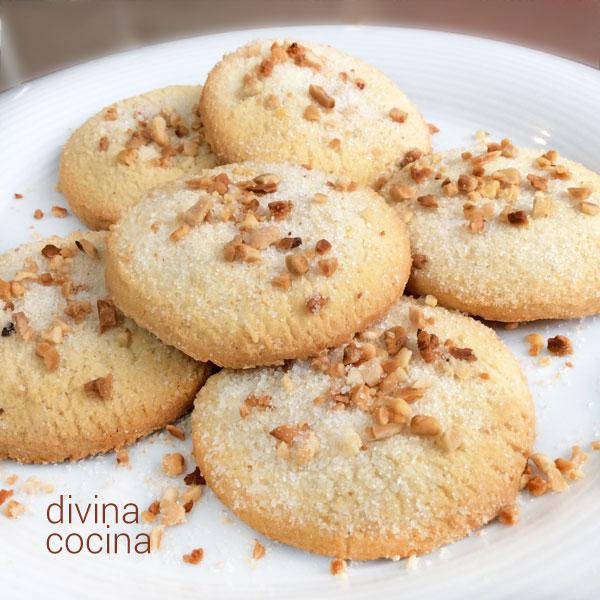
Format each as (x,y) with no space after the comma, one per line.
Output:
(268,225)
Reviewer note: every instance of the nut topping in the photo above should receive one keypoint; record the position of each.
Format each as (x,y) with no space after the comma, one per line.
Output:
(397,115)
(100,387)
(321,96)
(425,426)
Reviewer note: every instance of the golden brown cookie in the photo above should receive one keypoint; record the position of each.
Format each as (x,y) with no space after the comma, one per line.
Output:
(77,377)
(509,234)
(129,147)
(408,438)
(308,104)
(256,263)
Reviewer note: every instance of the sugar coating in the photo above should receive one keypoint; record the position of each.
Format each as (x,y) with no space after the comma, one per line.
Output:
(46,416)
(97,185)
(401,495)
(250,127)
(191,297)
(548,269)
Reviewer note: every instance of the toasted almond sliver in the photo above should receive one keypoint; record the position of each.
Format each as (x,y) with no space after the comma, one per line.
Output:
(321,96)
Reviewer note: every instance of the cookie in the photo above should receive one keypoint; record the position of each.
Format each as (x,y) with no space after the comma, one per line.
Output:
(256,263)
(408,438)
(129,148)
(308,104)
(508,234)
(77,377)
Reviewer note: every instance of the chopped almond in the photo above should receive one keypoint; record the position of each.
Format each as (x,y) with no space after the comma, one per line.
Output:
(13,509)
(5,494)
(297,264)
(262,237)
(110,114)
(280,209)
(328,266)
(537,182)
(282,281)
(425,426)
(467,183)
(311,113)
(198,212)
(543,206)
(321,96)
(288,433)
(589,208)
(338,566)
(397,115)
(101,387)
(176,432)
(560,345)
(508,515)
(109,315)
(427,344)
(579,193)
(518,218)
(428,201)
(59,212)
(78,310)
(48,353)
(462,354)
(399,193)
(180,232)
(194,557)
(316,303)
(128,156)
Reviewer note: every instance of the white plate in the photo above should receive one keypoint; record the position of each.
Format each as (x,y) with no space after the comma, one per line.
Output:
(461,84)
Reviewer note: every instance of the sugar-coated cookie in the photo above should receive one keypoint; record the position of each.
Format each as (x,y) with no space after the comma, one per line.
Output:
(308,104)
(506,233)
(256,263)
(130,147)
(403,440)
(77,377)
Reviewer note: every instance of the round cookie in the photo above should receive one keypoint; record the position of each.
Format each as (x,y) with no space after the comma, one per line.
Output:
(393,445)
(309,104)
(77,377)
(509,234)
(256,263)
(129,148)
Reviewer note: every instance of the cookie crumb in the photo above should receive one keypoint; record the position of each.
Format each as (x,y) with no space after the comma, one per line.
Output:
(509,515)
(258,551)
(337,566)
(13,509)
(122,457)
(38,214)
(173,464)
(536,343)
(156,536)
